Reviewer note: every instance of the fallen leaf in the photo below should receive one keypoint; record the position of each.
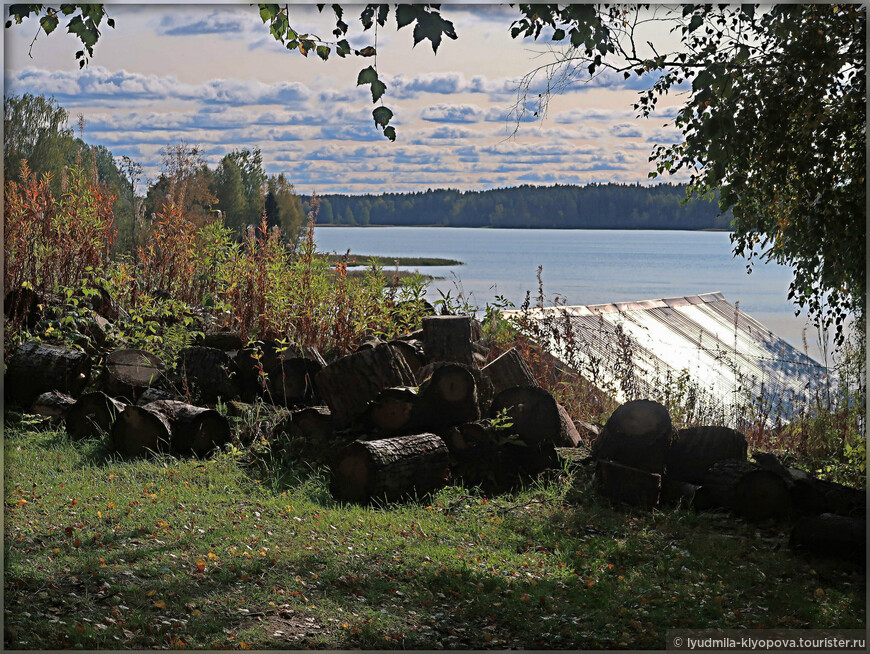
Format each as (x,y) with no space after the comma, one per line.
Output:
(160,604)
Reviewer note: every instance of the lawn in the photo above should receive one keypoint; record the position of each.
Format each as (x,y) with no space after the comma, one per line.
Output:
(225,553)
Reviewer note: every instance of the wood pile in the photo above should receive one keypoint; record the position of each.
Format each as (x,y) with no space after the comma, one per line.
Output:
(642,462)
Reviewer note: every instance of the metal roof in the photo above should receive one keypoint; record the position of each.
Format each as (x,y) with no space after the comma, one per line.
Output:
(700,345)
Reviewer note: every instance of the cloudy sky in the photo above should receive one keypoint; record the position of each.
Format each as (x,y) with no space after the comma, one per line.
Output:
(212,75)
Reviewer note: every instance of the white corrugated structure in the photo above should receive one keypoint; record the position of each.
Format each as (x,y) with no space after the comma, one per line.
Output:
(726,358)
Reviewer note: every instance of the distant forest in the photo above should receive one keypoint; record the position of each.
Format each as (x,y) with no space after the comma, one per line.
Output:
(595,206)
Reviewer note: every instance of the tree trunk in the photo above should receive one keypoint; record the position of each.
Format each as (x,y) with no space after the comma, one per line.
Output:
(193,430)
(831,535)
(390,469)
(140,431)
(447,398)
(93,414)
(637,435)
(127,373)
(748,489)
(208,374)
(392,412)
(448,338)
(350,383)
(53,404)
(509,370)
(695,450)
(533,413)
(633,486)
(36,367)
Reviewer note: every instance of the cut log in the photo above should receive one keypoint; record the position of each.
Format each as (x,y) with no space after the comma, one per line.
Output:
(812,495)
(413,353)
(193,430)
(139,431)
(633,486)
(208,374)
(447,398)
(637,435)
(92,415)
(21,306)
(53,404)
(533,413)
(448,338)
(509,370)
(831,535)
(695,450)
(685,494)
(392,412)
(568,434)
(748,489)
(350,383)
(390,469)
(255,363)
(306,434)
(292,381)
(127,373)
(36,367)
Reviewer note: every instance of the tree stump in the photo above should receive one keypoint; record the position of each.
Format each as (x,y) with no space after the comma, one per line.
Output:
(448,338)
(633,486)
(53,404)
(208,373)
(127,373)
(92,415)
(637,435)
(447,398)
(831,535)
(392,412)
(193,430)
(748,489)
(350,383)
(36,367)
(390,469)
(509,370)
(140,431)
(695,450)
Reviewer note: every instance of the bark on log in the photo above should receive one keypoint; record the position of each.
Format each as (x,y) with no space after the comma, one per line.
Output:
(150,395)
(139,431)
(292,381)
(447,398)
(36,367)
(390,469)
(127,373)
(349,384)
(748,489)
(413,353)
(448,338)
(633,486)
(392,412)
(193,430)
(831,535)
(209,374)
(533,412)
(509,370)
(52,404)
(695,450)
(638,435)
(92,415)
(568,434)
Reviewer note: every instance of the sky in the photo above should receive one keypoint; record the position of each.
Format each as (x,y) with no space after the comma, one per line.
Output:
(212,75)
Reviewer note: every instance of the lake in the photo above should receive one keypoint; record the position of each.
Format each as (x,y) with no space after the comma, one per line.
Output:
(585,267)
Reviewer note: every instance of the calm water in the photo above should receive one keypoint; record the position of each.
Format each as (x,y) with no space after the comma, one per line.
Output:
(585,267)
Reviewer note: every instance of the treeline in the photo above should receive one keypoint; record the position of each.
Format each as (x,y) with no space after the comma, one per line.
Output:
(595,206)
(236,192)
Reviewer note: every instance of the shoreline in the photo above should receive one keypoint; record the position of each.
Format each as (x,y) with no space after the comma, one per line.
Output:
(552,229)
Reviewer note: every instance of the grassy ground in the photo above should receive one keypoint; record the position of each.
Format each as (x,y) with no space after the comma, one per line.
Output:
(210,554)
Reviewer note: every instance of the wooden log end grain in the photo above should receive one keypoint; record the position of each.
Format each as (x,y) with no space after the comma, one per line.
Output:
(209,373)
(52,404)
(509,370)
(127,373)
(193,430)
(36,367)
(532,412)
(448,338)
(696,449)
(638,435)
(390,469)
